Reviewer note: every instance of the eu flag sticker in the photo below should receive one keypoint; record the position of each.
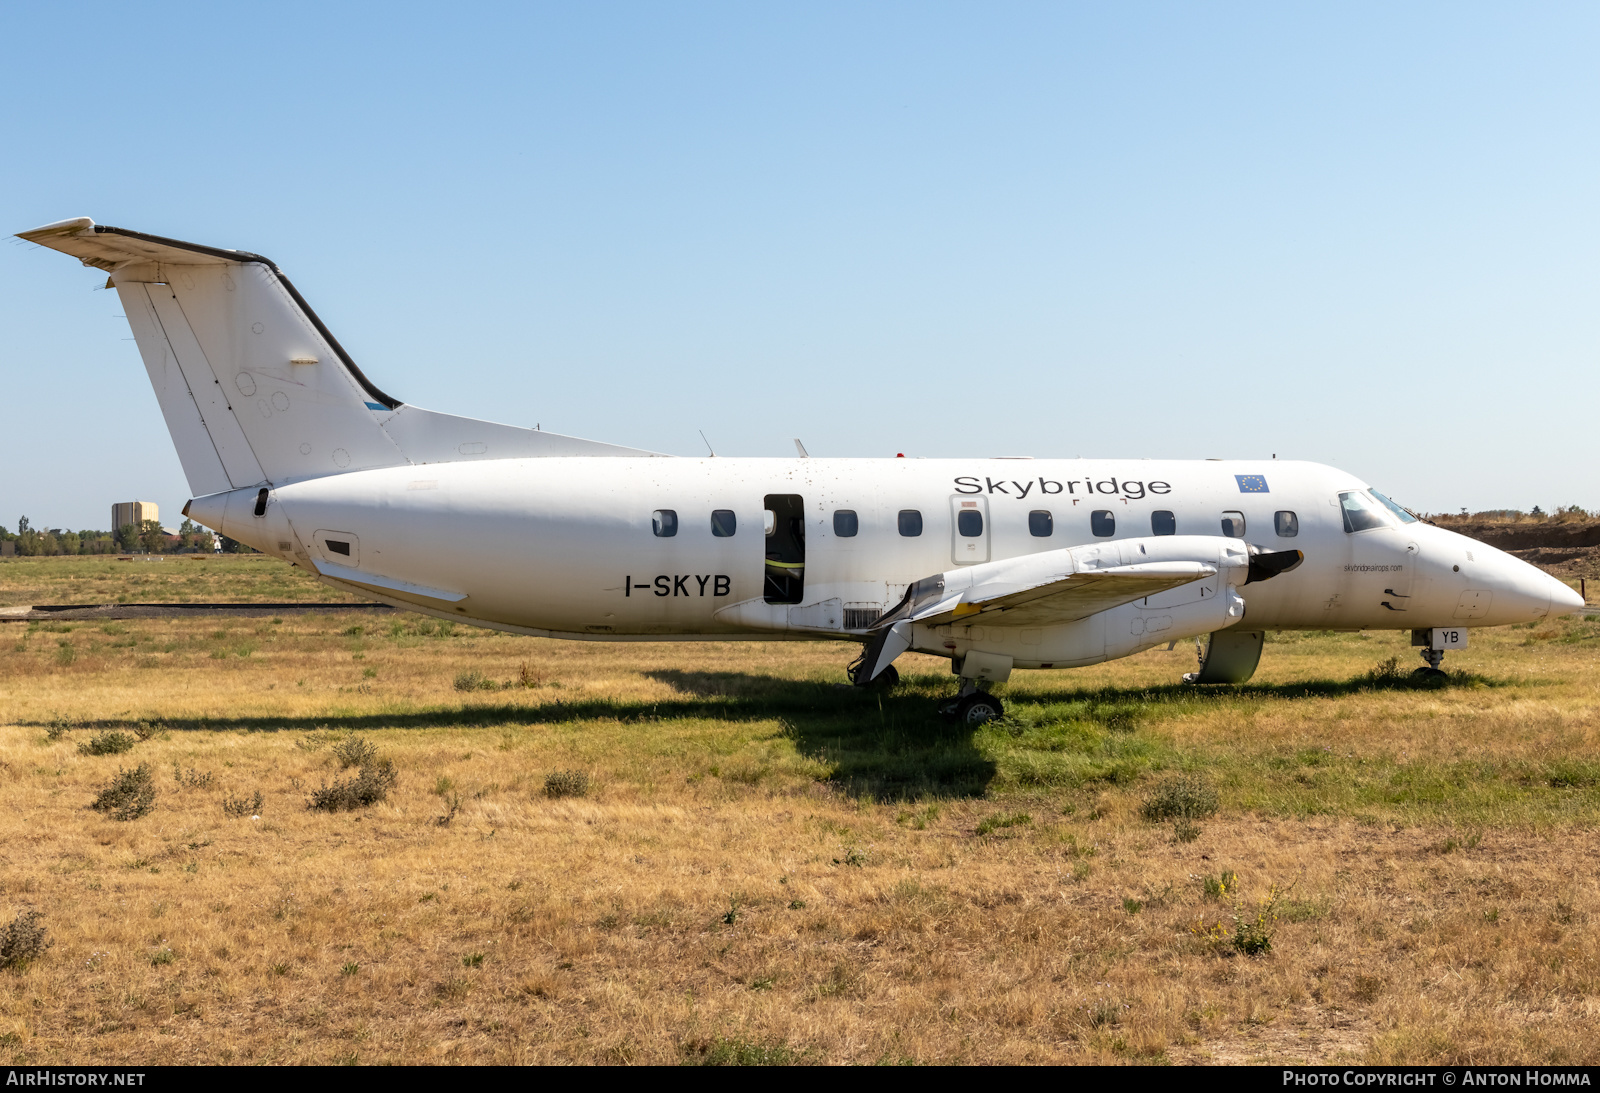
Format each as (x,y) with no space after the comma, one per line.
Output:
(1251,483)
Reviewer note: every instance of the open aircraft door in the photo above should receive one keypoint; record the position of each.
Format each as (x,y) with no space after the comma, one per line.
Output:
(969,529)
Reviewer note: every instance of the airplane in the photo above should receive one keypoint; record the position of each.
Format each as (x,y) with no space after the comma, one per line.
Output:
(995,564)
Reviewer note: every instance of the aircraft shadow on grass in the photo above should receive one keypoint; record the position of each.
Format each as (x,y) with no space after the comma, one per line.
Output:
(889,744)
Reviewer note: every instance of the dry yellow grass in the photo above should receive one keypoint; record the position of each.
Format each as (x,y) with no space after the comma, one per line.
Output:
(767,868)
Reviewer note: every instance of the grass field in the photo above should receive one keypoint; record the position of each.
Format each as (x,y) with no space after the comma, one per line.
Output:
(751,863)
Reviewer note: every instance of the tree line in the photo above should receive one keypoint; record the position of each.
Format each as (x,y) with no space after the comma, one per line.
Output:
(144,538)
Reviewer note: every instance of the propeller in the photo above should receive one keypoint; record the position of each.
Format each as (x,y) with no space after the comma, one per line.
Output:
(1265,565)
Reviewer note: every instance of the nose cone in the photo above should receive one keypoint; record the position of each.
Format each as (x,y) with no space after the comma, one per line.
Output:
(1563,599)
(1535,593)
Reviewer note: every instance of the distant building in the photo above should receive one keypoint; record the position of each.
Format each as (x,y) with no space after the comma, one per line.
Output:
(133,512)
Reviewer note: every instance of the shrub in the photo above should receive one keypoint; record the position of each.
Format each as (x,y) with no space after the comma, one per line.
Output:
(1180,797)
(192,779)
(106,743)
(237,808)
(452,805)
(371,784)
(22,941)
(1252,927)
(1252,932)
(131,794)
(566,783)
(354,752)
(992,824)
(1217,887)
(475,681)
(1385,671)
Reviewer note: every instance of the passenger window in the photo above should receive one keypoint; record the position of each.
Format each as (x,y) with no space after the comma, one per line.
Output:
(1163,522)
(1041,525)
(1286,524)
(1233,524)
(664,522)
(1102,523)
(969,523)
(723,523)
(845,523)
(910,523)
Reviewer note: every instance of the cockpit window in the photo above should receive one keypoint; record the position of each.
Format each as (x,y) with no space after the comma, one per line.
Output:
(1404,516)
(1362,513)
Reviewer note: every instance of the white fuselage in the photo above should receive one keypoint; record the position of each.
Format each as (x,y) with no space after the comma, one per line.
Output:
(567,547)
(289,447)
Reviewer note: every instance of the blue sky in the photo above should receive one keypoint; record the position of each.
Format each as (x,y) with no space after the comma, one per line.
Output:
(1360,234)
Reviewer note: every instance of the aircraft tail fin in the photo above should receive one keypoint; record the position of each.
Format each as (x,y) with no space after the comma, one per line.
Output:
(255,390)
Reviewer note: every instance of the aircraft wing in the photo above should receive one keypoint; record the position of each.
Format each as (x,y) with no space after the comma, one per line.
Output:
(1063,598)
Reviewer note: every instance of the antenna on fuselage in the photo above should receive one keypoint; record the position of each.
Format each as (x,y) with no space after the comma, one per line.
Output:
(708,444)
(801,448)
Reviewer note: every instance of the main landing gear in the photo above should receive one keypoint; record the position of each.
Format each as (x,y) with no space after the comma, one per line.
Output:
(885,680)
(970,706)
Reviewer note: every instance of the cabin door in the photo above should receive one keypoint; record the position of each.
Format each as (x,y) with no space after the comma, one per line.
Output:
(785,527)
(969,529)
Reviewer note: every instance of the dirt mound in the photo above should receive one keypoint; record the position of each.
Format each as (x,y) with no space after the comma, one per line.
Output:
(1567,563)
(1563,535)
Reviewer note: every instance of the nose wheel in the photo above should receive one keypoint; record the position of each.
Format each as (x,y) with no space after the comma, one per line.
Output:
(970,706)
(1434,657)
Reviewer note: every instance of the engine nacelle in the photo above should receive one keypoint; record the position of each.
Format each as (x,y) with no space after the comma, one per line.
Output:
(1200,607)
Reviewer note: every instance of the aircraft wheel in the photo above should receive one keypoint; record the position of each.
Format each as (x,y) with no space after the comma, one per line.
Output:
(977,708)
(887,679)
(1429,674)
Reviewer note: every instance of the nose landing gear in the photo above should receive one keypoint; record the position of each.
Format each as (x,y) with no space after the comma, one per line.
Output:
(1433,642)
(1434,657)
